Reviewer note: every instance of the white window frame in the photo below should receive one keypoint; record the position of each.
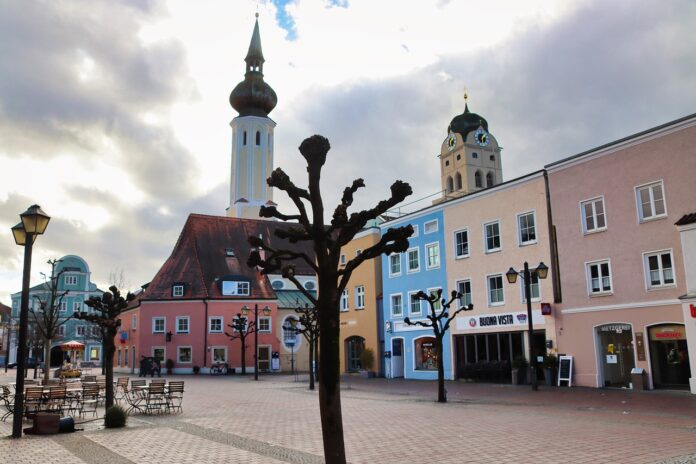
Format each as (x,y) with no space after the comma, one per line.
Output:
(491,303)
(646,269)
(391,257)
(63,306)
(438,304)
(408,260)
(188,324)
(519,229)
(420,305)
(342,260)
(415,231)
(401,303)
(588,275)
(77,306)
(164,352)
(468,245)
(436,245)
(583,218)
(270,324)
(236,288)
(359,297)
(210,324)
(531,288)
(345,302)
(61,330)
(433,225)
(471,293)
(177,291)
(178,354)
(357,252)
(70,280)
(212,353)
(154,324)
(134,322)
(78,329)
(485,237)
(639,206)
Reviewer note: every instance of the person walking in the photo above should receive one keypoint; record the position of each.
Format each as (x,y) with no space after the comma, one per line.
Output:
(157,368)
(143,367)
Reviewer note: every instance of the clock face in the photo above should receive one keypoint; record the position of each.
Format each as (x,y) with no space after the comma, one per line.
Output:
(451,141)
(481,137)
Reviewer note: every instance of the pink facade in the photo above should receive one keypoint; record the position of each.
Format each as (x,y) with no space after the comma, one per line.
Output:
(620,256)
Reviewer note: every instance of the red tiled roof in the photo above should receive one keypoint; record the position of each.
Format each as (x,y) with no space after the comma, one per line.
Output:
(199,258)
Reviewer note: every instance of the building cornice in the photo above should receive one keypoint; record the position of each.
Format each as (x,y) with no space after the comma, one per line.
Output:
(635,305)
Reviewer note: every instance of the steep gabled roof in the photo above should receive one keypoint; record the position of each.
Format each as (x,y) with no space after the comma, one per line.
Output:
(211,248)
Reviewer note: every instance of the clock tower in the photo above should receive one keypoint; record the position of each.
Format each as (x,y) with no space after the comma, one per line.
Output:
(469,156)
(252,136)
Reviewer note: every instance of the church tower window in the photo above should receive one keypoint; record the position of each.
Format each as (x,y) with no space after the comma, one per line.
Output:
(244,141)
(458,181)
(474,155)
(258,138)
(489,179)
(478,181)
(450,184)
(492,157)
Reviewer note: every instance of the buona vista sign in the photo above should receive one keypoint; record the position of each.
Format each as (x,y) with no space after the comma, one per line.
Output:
(503,320)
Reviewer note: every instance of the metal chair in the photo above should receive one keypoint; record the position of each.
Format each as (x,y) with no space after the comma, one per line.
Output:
(156,399)
(121,389)
(8,401)
(175,395)
(89,399)
(56,399)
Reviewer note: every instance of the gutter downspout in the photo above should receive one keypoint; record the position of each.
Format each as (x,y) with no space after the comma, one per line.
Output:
(205,334)
(553,245)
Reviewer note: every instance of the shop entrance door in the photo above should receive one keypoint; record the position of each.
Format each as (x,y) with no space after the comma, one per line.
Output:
(669,356)
(616,354)
(397,357)
(264,358)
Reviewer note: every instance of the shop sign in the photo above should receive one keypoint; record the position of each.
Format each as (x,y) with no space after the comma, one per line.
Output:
(492,321)
(618,328)
(667,332)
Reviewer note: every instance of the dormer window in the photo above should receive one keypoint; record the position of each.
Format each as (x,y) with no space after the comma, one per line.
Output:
(278,284)
(235,288)
(229,252)
(178,290)
(309,285)
(70,280)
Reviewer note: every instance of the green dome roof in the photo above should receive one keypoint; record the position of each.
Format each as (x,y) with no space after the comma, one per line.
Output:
(467,122)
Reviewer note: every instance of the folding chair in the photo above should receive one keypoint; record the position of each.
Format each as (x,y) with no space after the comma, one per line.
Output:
(8,401)
(175,395)
(33,401)
(156,399)
(56,399)
(121,389)
(89,399)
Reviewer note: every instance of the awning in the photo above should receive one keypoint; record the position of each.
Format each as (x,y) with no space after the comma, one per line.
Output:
(72,345)
(291,299)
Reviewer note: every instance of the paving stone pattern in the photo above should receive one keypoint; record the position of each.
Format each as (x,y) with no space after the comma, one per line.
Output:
(236,420)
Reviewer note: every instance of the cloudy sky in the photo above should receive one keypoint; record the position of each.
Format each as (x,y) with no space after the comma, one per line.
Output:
(114,115)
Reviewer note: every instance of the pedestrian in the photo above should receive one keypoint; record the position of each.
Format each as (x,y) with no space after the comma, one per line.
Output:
(157,368)
(151,366)
(143,367)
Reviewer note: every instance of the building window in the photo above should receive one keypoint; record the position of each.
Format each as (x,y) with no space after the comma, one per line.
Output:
(474,155)
(464,287)
(593,219)
(425,354)
(77,306)
(599,277)
(459,156)
(244,141)
(157,325)
(80,330)
(134,322)
(397,308)
(414,304)
(264,325)
(651,201)
(437,304)
(258,138)
(70,280)
(61,330)
(394,264)
(63,306)
(658,268)
(461,244)
(450,183)
(360,297)
(125,358)
(413,260)
(492,157)
(233,288)
(496,294)
(490,180)
(430,227)
(344,300)
(478,181)
(289,333)
(178,290)
(415,230)
(215,325)
(219,354)
(432,255)
(158,353)
(492,230)
(182,324)
(118,360)
(309,285)
(342,260)
(458,180)
(277,284)
(96,331)
(533,288)
(527,228)
(184,354)
(229,252)
(94,353)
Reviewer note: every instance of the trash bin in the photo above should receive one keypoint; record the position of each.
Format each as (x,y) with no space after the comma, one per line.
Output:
(639,379)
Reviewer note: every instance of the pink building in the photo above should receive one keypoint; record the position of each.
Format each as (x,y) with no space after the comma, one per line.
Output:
(620,257)
(187,309)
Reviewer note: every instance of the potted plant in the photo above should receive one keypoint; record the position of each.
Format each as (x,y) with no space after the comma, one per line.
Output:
(519,370)
(196,369)
(550,368)
(367,361)
(169,364)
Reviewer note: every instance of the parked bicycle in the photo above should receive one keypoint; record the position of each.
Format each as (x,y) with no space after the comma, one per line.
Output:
(219,369)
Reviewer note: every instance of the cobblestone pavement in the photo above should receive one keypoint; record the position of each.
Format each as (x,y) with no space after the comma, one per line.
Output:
(236,420)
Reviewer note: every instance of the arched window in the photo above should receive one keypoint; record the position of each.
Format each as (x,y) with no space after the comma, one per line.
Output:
(458,181)
(478,181)
(450,184)
(354,348)
(244,142)
(489,179)
(290,333)
(258,138)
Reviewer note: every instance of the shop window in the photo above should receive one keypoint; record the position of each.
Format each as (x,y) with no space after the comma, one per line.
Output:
(425,353)
(354,348)
(184,354)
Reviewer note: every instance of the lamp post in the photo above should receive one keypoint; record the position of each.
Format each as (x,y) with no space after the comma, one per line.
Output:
(266,312)
(291,328)
(541,272)
(34,222)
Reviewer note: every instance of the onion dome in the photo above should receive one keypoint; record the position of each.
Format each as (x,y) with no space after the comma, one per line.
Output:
(253,96)
(467,122)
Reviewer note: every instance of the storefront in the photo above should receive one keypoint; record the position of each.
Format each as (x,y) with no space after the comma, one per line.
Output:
(616,354)
(669,356)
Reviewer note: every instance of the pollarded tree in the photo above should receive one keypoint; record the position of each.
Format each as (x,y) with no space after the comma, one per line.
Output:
(327,240)
(105,313)
(439,312)
(309,328)
(241,327)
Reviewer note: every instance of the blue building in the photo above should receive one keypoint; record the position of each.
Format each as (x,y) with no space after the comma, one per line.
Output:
(75,279)
(410,350)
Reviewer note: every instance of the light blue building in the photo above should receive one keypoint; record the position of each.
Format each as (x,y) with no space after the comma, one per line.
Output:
(410,350)
(75,279)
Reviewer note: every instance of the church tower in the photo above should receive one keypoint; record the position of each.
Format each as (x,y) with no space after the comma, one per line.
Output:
(252,136)
(469,156)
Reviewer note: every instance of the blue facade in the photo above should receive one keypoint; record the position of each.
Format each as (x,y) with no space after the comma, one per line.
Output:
(76,281)
(421,267)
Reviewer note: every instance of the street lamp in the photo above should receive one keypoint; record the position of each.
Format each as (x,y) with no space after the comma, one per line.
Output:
(266,312)
(290,328)
(34,222)
(541,272)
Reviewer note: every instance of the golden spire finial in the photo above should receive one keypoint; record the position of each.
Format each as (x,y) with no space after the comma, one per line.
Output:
(466,95)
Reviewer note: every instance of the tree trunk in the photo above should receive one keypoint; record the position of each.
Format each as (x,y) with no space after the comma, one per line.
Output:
(316,359)
(329,377)
(109,350)
(243,356)
(441,394)
(311,363)
(47,361)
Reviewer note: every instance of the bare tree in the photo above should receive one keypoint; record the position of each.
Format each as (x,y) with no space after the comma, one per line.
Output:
(105,313)
(241,327)
(437,314)
(47,318)
(327,241)
(309,328)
